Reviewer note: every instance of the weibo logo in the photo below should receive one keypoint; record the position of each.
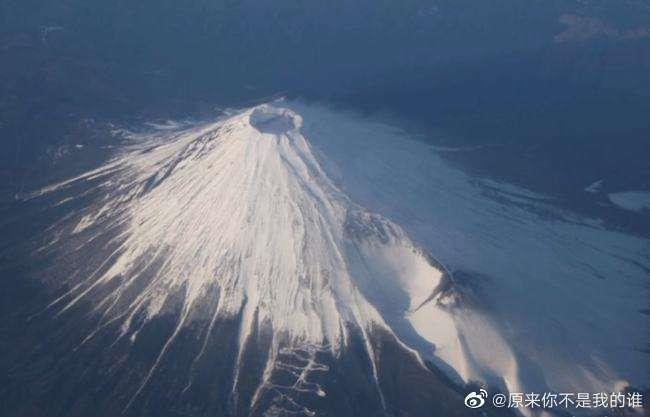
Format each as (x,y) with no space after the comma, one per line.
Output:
(476,400)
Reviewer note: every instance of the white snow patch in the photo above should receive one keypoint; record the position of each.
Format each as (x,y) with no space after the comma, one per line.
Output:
(595,187)
(631,200)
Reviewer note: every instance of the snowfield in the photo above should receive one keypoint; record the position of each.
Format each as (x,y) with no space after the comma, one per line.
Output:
(311,222)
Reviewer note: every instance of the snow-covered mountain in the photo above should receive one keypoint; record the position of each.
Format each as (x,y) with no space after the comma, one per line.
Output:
(226,269)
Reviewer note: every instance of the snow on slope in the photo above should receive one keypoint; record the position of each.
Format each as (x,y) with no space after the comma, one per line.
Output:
(567,296)
(241,216)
